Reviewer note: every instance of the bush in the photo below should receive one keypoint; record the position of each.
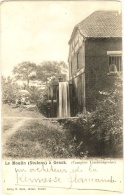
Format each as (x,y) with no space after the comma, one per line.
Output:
(37,96)
(101,132)
(9,90)
(42,104)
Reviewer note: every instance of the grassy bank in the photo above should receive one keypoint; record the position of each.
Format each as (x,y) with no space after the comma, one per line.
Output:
(40,139)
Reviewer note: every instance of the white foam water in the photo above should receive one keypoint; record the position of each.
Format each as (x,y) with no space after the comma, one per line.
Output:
(64,100)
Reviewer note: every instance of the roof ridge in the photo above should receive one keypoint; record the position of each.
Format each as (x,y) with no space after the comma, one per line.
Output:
(103,10)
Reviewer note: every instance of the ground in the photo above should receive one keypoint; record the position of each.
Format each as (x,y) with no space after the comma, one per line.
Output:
(13,120)
(26,134)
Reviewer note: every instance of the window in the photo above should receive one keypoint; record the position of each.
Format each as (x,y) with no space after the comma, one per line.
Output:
(115,61)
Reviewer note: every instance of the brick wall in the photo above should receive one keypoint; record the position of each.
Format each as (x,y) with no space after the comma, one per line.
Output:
(96,66)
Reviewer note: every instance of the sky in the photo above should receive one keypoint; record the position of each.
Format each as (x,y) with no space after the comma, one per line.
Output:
(38,31)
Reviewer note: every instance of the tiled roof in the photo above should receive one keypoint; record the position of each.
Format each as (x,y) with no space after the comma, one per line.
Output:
(101,24)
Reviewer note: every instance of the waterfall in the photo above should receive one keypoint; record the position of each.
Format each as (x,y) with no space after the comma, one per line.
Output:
(64,100)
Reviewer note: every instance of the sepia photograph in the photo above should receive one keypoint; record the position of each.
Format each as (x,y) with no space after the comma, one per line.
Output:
(61,83)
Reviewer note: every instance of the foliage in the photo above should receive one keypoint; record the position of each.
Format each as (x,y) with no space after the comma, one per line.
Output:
(9,89)
(49,69)
(97,133)
(40,139)
(46,72)
(38,97)
(35,93)
(42,103)
(100,132)
(25,71)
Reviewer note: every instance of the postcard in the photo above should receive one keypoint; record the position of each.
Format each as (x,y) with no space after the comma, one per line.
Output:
(62,104)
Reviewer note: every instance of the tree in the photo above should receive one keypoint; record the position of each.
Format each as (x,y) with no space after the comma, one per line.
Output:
(9,89)
(25,71)
(49,69)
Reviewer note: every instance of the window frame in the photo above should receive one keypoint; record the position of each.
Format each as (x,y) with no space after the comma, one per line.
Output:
(115,57)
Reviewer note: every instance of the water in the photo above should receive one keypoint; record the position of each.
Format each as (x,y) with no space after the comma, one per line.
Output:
(64,100)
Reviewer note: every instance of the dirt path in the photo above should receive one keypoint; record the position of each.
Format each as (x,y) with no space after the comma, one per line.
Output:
(7,134)
(10,131)
(12,120)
